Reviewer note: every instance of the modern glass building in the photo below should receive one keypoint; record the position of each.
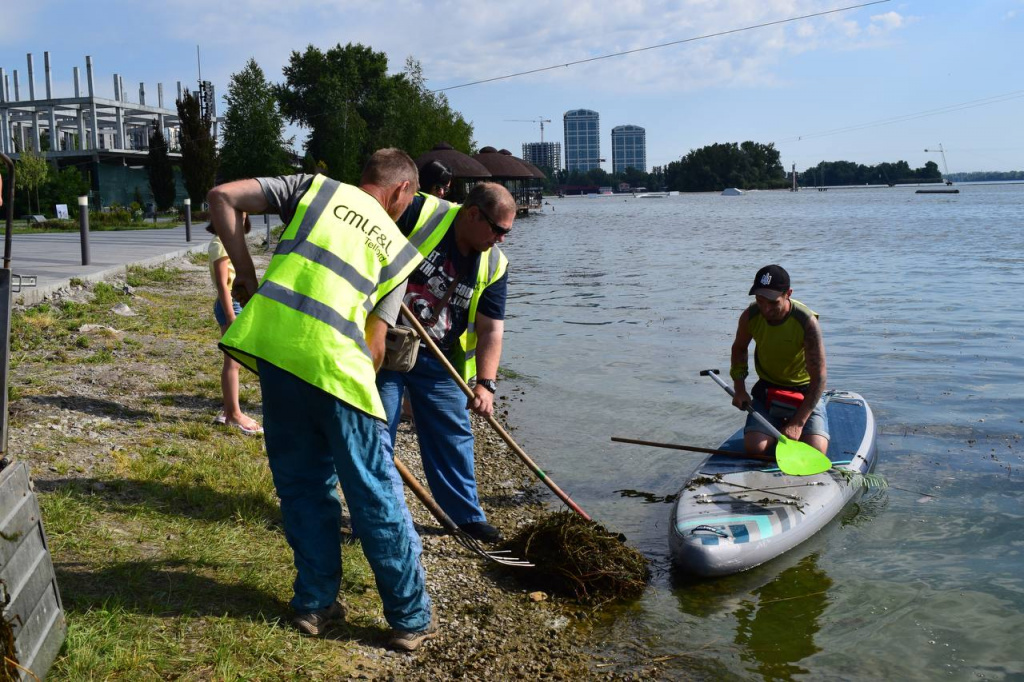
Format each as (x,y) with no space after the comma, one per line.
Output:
(582,140)
(543,154)
(629,148)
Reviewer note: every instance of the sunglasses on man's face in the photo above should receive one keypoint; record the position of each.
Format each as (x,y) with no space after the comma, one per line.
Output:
(495,227)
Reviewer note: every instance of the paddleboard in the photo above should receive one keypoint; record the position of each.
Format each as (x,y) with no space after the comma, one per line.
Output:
(734,514)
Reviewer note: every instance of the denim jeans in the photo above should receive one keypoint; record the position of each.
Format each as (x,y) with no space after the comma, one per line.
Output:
(314,441)
(444,431)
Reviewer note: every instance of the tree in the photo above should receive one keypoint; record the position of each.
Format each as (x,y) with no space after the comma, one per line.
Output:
(161,171)
(198,148)
(254,143)
(64,187)
(353,107)
(32,171)
(750,165)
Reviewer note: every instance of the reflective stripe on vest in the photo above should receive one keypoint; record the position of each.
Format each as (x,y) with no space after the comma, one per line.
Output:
(340,253)
(493,265)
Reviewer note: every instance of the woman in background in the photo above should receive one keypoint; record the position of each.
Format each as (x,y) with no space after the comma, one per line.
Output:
(224,310)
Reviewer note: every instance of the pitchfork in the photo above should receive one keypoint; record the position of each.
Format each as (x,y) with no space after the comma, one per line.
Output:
(461,536)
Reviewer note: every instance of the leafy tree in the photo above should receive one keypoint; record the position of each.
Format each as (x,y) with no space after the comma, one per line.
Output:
(353,107)
(254,143)
(750,165)
(198,148)
(838,173)
(31,172)
(64,187)
(160,170)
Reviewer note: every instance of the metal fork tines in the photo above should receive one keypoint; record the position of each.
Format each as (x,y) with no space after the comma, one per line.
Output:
(474,546)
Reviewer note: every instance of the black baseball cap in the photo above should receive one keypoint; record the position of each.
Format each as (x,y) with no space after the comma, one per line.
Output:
(771,281)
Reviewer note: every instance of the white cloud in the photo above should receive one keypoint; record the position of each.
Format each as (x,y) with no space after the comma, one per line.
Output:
(883,23)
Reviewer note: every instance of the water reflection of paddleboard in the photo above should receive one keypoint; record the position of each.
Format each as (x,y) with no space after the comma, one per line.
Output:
(734,514)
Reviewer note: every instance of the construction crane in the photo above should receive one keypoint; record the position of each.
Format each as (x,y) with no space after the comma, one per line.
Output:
(542,121)
(945,168)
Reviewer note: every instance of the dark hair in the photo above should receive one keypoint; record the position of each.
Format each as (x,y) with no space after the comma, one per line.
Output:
(434,174)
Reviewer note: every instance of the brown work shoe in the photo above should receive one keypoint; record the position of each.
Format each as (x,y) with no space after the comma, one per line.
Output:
(403,640)
(318,622)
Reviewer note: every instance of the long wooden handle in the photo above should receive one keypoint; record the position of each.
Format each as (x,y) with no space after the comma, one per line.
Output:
(421,493)
(490,418)
(694,448)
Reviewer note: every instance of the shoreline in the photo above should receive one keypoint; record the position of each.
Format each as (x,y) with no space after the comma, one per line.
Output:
(112,412)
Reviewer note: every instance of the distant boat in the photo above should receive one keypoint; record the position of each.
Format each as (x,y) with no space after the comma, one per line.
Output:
(732,192)
(944,190)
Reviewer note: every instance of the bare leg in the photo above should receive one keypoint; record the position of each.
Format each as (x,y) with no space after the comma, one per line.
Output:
(817,442)
(229,394)
(756,443)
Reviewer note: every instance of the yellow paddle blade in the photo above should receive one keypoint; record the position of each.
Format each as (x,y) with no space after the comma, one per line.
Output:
(797,458)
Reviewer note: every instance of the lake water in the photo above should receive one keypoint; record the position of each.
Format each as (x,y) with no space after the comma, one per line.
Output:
(617,303)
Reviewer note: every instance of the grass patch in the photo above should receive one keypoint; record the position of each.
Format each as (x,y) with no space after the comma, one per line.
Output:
(140,276)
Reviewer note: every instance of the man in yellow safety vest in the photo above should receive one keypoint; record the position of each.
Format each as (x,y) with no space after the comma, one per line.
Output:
(303,330)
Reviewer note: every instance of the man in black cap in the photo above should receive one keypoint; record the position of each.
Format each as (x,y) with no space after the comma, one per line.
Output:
(789,357)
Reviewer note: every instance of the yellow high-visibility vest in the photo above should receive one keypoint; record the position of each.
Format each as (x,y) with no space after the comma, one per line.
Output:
(340,253)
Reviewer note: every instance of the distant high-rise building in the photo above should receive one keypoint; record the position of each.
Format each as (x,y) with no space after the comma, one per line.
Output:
(582,140)
(544,155)
(629,148)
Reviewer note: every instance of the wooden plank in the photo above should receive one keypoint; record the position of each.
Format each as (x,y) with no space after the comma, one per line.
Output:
(26,569)
(14,488)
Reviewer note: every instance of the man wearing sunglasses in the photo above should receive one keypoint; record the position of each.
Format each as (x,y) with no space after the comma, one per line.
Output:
(458,294)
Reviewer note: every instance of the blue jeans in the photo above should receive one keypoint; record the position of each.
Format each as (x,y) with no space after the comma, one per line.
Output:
(444,431)
(314,441)
(221,316)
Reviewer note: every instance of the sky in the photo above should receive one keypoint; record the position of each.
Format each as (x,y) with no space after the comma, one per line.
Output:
(883,82)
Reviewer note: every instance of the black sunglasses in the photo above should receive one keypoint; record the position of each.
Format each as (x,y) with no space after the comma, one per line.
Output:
(495,227)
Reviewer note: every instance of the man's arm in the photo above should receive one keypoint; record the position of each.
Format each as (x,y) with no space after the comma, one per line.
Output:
(228,205)
(488,356)
(738,367)
(814,354)
(376,334)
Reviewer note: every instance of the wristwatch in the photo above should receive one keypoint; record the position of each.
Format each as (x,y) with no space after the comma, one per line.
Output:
(490,384)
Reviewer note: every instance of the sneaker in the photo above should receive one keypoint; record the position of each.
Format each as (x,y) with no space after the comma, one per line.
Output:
(318,622)
(411,641)
(482,531)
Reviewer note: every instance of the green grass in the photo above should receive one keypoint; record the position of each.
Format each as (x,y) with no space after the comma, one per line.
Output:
(169,553)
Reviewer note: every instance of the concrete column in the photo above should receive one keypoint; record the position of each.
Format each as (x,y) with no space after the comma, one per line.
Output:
(179,85)
(119,142)
(3,81)
(5,132)
(159,94)
(46,73)
(31,79)
(117,88)
(54,133)
(94,137)
(78,83)
(17,87)
(120,87)
(142,94)
(82,143)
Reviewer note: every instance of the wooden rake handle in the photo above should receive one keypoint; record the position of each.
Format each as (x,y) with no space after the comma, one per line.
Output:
(490,418)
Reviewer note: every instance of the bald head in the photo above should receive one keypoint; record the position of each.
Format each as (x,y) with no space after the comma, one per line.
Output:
(492,198)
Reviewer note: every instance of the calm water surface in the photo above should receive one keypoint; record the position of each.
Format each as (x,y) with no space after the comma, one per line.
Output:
(617,303)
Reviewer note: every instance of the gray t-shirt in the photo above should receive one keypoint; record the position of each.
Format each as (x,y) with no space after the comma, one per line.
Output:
(284,192)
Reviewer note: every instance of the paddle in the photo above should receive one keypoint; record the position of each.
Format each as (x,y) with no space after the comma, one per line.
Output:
(694,448)
(520,453)
(794,457)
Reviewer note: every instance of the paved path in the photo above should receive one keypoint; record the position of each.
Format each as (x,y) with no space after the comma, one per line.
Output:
(56,258)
